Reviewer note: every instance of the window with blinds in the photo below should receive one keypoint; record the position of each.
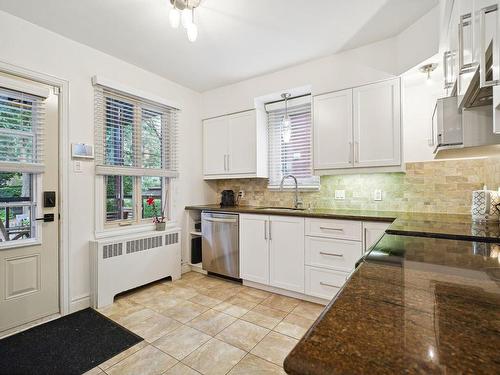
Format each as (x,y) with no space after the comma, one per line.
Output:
(295,156)
(133,136)
(21,126)
(136,152)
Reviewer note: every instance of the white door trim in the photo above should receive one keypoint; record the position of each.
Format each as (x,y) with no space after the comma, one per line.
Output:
(63,86)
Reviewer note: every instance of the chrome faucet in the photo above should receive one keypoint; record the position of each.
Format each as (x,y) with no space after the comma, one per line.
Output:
(297,202)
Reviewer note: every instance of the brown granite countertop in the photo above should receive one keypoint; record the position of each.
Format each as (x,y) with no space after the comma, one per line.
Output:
(387,216)
(451,226)
(415,305)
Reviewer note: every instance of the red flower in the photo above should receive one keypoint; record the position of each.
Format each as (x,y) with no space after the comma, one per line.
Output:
(151,201)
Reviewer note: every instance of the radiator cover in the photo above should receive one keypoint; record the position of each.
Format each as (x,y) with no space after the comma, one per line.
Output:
(126,262)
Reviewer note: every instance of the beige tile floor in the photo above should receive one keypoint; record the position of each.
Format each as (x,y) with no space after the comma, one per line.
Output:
(205,325)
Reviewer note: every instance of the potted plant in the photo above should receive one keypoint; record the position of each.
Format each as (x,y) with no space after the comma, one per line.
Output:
(159,220)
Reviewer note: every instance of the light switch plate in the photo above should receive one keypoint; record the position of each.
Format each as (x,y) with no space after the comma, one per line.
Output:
(340,194)
(377,195)
(77,166)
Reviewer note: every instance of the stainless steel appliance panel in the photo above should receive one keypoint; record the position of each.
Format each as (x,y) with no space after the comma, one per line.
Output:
(220,243)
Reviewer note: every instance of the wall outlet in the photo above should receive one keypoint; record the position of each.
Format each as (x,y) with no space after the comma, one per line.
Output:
(241,194)
(340,194)
(377,195)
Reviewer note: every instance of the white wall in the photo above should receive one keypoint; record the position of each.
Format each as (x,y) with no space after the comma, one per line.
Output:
(374,62)
(42,51)
(347,69)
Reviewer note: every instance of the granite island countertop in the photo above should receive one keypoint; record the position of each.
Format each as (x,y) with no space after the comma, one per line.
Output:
(451,226)
(414,305)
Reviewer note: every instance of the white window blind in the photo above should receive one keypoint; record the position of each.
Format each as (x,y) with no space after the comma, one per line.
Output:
(294,157)
(21,131)
(134,137)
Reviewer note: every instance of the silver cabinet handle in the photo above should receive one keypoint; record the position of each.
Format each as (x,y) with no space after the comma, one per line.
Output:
(448,69)
(330,285)
(329,228)
(270,232)
(228,165)
(356,152)
(351,152)
(265,229)
(364,240)
(331,254)
(465,20)
(482,48)
(225,164)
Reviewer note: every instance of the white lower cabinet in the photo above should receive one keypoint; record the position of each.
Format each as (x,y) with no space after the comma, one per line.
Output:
(304,255)
(272,251)
(324,283)
(372,231)
(254,248)
(332,253)
(286,253)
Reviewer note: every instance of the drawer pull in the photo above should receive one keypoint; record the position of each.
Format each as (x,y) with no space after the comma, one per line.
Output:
(329,228)
(331,254)
(330,285)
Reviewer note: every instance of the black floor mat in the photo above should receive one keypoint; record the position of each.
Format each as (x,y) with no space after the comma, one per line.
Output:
(72,344)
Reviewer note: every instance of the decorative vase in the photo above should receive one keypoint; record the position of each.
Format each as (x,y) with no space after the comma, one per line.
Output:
(160,226)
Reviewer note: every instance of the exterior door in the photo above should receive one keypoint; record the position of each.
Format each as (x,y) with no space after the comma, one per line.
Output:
(254,248)
(333,144)
(377,124)
(286,252)
(215,146)
(29,255)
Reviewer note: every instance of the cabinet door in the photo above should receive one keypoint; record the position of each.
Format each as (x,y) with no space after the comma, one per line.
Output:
(215,146)
(254,249)
(333,147)
(372,231)
(242,143)
(377,124)
(286,253)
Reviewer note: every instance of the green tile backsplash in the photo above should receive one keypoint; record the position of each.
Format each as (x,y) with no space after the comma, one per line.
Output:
(442,186)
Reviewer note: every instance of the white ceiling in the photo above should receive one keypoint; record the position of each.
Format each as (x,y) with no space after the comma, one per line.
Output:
(238,39)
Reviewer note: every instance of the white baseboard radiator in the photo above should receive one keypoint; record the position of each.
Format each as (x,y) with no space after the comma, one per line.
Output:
(126,262)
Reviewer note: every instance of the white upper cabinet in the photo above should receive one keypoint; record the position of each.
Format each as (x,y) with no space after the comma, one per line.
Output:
(358,127)
(333,143)
(242,153)
(234,146)
(215,146)
(377,124)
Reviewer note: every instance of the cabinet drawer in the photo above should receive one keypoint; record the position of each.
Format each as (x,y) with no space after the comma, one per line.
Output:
(332,253)
(341,229)
(324,283)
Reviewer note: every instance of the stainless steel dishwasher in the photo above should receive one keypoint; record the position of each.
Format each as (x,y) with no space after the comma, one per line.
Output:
(220,243)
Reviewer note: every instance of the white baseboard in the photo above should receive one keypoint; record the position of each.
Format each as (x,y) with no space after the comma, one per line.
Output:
(185,267)
(285,292)
(79,303)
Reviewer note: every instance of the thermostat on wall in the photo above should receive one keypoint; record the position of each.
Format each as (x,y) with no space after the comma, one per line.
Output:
(82,150)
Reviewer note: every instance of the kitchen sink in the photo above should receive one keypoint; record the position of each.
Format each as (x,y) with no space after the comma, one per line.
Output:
(281,208)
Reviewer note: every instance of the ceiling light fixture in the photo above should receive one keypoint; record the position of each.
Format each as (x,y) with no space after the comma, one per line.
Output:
(286,123)
(427,69)
(183,12)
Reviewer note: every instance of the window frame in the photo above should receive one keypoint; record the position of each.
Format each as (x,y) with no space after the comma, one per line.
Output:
(167,171)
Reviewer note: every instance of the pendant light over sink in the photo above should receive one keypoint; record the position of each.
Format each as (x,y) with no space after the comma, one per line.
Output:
(182,12)
(286,123)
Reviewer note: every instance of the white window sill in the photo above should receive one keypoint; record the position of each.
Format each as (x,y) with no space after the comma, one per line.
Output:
(133,230)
